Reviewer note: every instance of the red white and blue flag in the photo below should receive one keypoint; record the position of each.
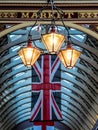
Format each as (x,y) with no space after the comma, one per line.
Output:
(46,90)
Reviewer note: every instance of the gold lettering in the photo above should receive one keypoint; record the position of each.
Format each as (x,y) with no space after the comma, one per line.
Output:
(49,15)
(25,15)
(34,15)
(69,15)
(43,15)
(58,15)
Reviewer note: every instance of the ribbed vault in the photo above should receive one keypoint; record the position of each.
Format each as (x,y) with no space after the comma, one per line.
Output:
(79,94)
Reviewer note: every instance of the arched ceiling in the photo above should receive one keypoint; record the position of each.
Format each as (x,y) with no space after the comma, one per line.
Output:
(79,94)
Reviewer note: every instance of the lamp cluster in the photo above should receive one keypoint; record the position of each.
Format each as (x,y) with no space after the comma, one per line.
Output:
(52,42)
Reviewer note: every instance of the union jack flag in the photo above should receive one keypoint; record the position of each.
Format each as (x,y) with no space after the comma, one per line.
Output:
(46,88)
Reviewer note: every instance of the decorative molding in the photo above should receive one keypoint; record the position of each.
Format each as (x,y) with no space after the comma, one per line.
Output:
(43,1)
(76,16)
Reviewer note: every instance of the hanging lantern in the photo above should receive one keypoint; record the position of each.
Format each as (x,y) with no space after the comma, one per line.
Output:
(53,41)
(69,56)
(29,54)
